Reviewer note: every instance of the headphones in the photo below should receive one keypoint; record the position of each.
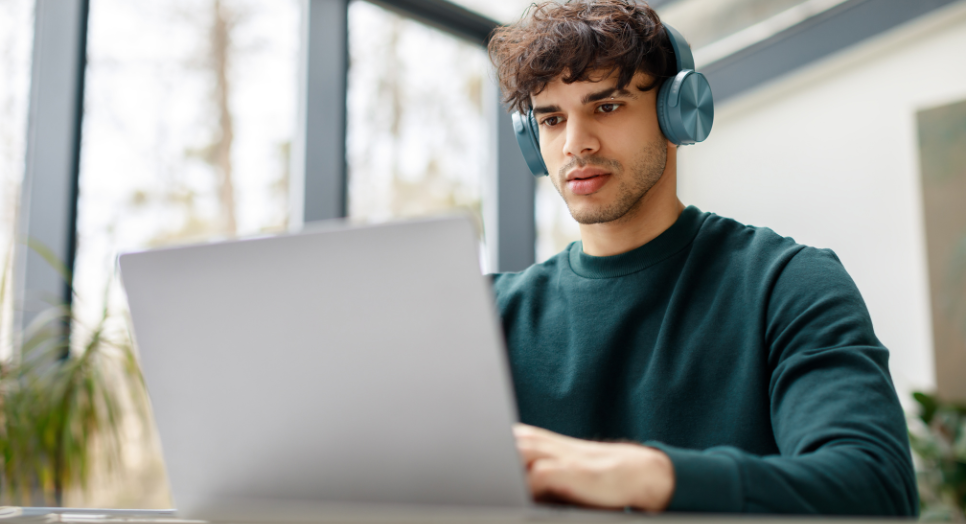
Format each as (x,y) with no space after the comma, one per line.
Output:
(685,108)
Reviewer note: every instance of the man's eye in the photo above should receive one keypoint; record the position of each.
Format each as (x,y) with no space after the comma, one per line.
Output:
(551,121)
(607,108)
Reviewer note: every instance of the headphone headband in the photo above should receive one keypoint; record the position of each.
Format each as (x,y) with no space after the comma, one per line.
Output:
(682,51)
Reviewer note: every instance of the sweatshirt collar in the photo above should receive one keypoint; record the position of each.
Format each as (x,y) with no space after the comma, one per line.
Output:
(672,240)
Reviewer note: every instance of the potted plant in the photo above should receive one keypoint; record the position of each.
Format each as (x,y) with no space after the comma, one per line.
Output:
(938,439)
(61,404)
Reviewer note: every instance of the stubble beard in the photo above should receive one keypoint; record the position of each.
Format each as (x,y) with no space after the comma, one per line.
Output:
(632,186)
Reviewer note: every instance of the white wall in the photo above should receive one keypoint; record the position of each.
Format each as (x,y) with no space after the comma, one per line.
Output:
(829,156)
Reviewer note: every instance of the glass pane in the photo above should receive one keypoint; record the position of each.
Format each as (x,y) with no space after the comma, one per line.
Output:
(16,43)
(189,113)
(419,118)
(555,227)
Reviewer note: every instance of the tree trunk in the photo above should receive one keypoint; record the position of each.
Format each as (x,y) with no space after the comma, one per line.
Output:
(220,53)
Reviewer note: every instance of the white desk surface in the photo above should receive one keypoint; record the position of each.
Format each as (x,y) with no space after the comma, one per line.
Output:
(454,517)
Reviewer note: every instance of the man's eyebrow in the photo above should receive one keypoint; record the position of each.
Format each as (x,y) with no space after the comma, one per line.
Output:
(546,109)
(610,92)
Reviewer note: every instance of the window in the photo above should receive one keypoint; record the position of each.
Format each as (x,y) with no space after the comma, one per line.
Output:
(16,36)
(189,112)
(556,228)
(420,107)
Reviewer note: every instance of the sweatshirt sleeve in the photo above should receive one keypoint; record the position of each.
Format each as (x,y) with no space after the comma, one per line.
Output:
(835,414)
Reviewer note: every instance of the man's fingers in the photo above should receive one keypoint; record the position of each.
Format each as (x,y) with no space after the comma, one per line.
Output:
(535,443)
(595,474)
(552,480)
(546,482)
(531,449)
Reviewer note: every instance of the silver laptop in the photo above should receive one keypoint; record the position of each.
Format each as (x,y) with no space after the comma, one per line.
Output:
(327,373)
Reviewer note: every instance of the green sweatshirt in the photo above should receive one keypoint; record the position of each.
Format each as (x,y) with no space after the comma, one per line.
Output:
(749,359)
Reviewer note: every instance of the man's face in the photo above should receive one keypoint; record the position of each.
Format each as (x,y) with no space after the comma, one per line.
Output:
(603,146)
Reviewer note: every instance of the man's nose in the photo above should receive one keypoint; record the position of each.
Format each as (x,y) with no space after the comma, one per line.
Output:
(581,139)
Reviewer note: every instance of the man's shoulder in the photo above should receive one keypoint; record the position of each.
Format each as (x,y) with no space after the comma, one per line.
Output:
(728,239)
(765,258)
(729,233)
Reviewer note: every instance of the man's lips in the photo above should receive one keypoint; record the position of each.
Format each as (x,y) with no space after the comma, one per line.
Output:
(587,180)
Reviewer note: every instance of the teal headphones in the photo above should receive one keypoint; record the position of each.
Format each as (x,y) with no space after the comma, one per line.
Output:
(685,108)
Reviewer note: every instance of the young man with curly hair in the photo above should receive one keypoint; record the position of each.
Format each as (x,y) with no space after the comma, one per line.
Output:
(673,358)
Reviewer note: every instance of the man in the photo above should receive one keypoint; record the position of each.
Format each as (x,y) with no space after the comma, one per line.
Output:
(675,359)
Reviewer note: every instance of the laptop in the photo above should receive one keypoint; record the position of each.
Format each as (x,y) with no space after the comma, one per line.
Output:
(347,371)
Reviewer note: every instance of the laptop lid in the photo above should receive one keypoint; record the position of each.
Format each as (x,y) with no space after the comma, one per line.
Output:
(353,365)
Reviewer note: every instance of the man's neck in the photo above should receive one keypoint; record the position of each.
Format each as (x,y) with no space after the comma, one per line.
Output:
(651,216)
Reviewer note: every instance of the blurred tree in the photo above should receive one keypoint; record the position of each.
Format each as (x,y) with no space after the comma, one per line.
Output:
(216,62)
(218,59)
(223,23)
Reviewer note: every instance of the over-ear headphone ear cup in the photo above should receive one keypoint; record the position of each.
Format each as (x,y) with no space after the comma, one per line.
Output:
(662,94)
(535,136)
(526,131)
(685,108)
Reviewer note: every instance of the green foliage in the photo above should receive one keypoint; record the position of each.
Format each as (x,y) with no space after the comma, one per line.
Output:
(939,444)
(61,409)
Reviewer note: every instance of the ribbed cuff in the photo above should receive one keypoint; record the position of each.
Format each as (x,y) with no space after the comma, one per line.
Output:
(703,480)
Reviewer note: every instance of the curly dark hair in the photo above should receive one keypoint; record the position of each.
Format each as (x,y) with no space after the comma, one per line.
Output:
(578,40)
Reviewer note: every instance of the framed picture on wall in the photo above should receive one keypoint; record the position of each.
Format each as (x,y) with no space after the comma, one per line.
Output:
(942,158)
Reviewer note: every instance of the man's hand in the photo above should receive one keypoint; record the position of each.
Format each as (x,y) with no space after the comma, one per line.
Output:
(596,474)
